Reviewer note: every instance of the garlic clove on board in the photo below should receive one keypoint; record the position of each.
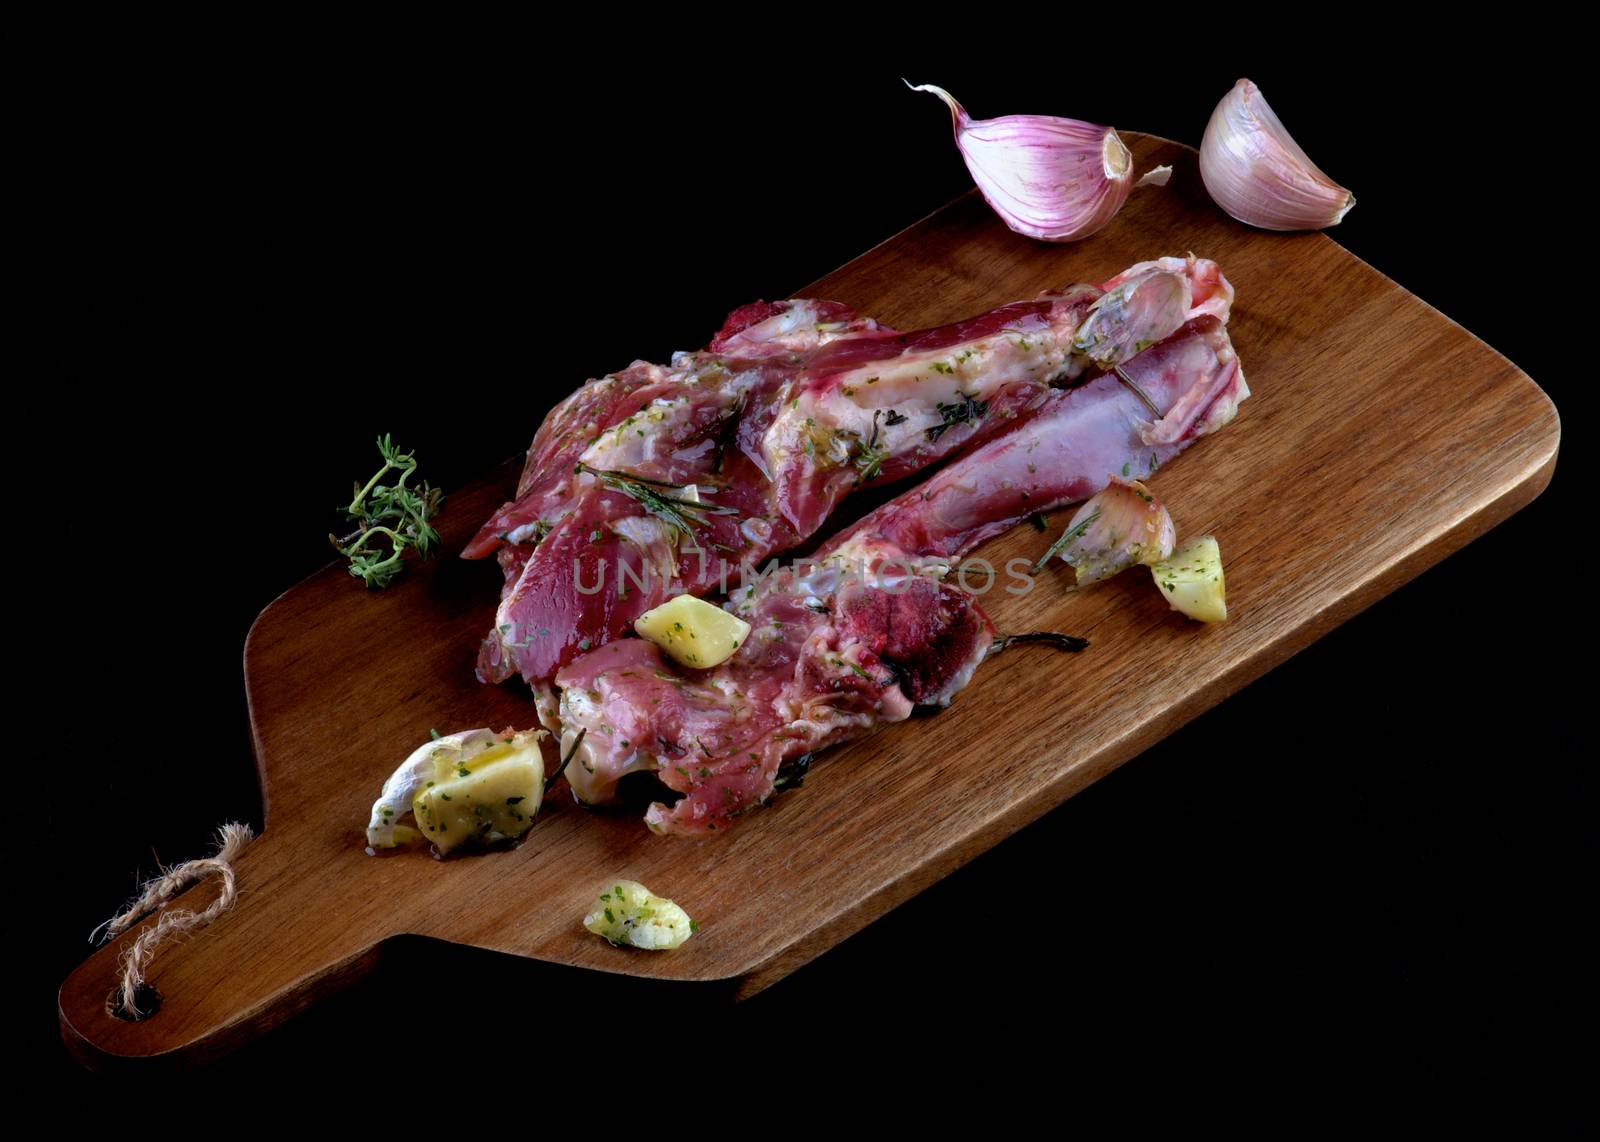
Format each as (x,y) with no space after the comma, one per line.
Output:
(1121,526)
(1049,178)
(1257,173)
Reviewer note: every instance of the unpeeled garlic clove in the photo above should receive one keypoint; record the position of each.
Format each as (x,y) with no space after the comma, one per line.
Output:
(1049,178)
(1259,175)
(1121,526)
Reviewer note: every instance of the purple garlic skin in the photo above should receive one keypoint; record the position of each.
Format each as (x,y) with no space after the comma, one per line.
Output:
(1123,526)
(1256,172)
(1048,178)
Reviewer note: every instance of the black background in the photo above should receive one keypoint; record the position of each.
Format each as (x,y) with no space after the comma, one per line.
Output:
(255,260)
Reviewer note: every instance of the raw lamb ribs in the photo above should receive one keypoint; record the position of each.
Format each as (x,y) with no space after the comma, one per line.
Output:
(869,630)
(649,482)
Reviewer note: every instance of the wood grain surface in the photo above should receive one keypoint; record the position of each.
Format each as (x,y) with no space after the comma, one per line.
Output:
(1379,438)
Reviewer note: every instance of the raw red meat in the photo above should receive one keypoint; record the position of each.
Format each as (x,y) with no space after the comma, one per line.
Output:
(867,631)
(652,481)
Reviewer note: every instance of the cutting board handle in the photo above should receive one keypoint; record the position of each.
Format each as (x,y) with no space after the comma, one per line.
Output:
(258,963)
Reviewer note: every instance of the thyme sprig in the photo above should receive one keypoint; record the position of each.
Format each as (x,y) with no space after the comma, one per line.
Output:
(679,514)
(1067,537)
(389,518)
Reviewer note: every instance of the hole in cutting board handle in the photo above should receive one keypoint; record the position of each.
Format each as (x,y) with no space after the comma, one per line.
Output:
(146,1002)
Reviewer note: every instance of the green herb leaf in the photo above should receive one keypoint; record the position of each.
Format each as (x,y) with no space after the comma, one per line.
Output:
(389,519)
(652,495)
(869,457)
(1067,537)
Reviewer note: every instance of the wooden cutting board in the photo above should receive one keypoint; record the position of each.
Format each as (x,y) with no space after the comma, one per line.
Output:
(1379,438)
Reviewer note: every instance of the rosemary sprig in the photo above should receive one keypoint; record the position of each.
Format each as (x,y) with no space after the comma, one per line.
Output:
(728,433)
(1067,537)
(676,513)
(1122,375)
(389,519)
(1053,638)
(572,751)
(965,411)
(792,773)
(869,457)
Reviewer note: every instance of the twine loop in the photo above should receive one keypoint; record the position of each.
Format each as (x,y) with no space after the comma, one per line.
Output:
(231,840)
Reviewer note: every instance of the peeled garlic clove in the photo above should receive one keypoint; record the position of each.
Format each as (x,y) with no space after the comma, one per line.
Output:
(693,631)
(1258,174)
(384,830)
(483,798)
(1049,178)
(479,766)
(629,915)
(1192,581)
